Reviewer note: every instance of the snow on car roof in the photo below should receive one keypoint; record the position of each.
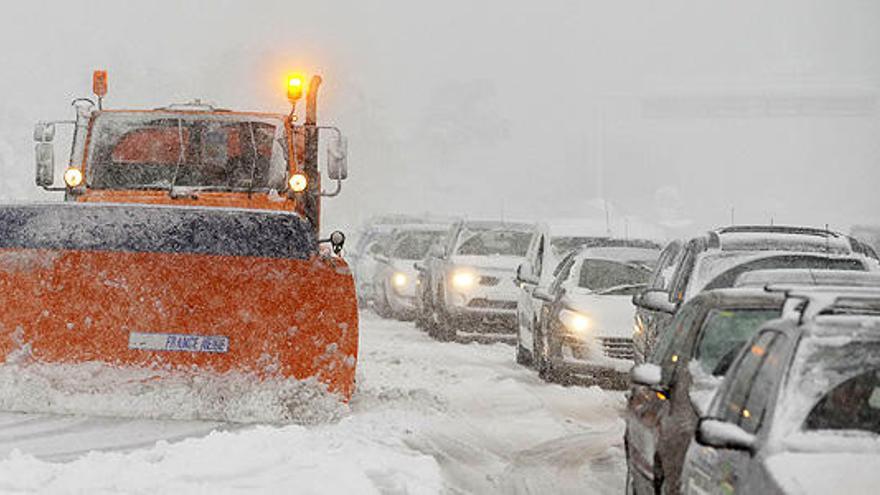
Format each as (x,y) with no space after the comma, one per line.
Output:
(808,277)
(778,241)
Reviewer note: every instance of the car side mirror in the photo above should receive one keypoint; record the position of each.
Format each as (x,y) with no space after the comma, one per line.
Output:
(646,374)
(543,294)
(45,163)
(420,267)
(525,274)
(655,300)
(723,435)
(337,159)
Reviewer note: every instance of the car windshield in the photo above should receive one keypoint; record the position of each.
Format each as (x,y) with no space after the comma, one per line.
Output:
(724,332)
(413,245)
(500,242)
(601,275)
(156,151)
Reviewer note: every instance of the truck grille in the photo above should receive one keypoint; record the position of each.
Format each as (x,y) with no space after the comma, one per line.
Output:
(617,347)
(489,280)
(489,304)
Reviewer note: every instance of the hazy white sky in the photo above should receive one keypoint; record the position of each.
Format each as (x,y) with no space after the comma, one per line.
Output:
(675,110)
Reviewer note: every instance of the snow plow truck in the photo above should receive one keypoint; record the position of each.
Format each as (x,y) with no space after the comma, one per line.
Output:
(183,276)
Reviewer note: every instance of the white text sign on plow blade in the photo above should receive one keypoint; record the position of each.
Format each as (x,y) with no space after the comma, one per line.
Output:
(177,342)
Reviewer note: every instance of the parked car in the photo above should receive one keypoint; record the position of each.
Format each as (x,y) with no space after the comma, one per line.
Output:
(716,259)
(672,389)
(586,324)
(552,242)
(469,278)
(395,280)
(798,410)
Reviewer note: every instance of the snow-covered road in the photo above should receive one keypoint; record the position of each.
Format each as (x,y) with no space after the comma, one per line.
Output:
(428,417)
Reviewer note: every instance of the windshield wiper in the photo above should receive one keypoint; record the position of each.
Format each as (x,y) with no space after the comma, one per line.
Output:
(179,157)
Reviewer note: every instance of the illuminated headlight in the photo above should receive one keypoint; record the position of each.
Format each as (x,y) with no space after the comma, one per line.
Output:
(73,177)
(399,280)
(298,183)
(576,322)
(463,279)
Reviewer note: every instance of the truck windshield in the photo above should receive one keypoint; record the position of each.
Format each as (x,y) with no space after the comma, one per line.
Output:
(155,151)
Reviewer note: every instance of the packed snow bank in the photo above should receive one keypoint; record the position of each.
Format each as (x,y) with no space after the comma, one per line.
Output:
(98,389)
(264,459)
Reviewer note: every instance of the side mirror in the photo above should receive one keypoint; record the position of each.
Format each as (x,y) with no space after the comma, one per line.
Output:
(647,374)
(44,132)
(724,435)
(543,294)
(336,240)
(420,267)
(45,161)
(337,159)
(525,274)
(436,251)
(655,300)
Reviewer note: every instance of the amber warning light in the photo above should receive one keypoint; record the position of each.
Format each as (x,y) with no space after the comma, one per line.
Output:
(294,88)
(99,83)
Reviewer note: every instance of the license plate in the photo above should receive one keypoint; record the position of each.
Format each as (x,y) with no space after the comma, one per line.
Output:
(178,342)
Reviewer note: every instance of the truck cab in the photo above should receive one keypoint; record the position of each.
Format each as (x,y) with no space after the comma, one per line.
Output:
(195,154)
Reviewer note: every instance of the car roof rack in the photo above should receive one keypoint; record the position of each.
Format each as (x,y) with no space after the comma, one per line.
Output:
(776,229)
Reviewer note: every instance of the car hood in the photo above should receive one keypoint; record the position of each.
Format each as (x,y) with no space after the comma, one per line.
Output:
(493,263)
(815,473)
(612,316)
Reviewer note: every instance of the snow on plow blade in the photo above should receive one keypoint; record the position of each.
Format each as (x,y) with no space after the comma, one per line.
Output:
(172,312)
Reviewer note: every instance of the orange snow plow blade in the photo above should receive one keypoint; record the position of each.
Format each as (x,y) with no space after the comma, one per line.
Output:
(140,303)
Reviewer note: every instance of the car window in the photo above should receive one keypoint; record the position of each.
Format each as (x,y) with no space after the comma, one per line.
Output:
(680,324)
(851,405)
(662,277)
(500,242)
(723,334)
(600,275)
(738,394)
(562,272)
(683,273)
(539,259)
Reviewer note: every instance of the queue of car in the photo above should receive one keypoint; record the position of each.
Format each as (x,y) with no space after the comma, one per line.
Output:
(750,354)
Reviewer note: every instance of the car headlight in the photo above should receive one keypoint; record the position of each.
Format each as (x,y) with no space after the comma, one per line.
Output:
(575,322)
(399,280)
(463,279)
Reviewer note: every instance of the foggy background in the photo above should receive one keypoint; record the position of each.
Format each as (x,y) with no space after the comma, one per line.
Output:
(677,112)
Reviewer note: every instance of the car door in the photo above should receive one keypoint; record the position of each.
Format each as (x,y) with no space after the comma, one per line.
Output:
(532,305)
(647,407)
(742,401)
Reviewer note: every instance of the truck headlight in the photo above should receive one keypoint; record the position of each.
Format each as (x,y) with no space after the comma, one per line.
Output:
(576,322)
(463,279)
